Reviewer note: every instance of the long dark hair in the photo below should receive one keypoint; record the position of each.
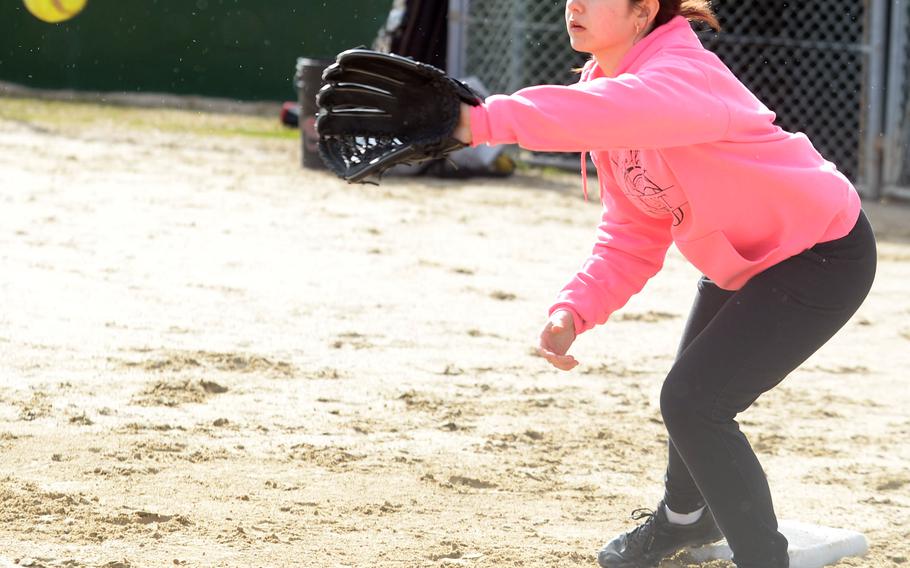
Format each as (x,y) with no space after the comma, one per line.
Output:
(693,10)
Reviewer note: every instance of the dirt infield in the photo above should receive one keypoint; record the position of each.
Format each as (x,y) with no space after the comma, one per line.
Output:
(211,357)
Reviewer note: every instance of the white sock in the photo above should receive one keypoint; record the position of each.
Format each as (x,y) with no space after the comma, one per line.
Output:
(683,518)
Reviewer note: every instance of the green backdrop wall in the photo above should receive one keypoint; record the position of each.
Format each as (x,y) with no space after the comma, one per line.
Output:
(241,49)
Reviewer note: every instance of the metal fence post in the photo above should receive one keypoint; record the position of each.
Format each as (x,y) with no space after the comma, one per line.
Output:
(457,47)
(896,111)
(875,99)
(517,46)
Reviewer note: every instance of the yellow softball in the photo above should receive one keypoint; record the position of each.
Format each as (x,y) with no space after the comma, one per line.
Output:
(53,11)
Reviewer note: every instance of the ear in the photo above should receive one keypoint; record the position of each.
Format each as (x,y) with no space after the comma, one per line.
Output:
(647,11)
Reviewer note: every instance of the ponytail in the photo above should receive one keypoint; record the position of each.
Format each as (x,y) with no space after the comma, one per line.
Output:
(699,11)
(693,10)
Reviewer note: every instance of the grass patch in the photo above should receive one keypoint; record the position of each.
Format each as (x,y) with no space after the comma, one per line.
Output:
(62,115)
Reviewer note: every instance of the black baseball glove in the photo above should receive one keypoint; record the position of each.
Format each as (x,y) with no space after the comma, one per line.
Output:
(378,110)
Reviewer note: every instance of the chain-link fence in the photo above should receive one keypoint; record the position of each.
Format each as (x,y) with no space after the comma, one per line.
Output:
(819,64)
(896,178)
(512,44)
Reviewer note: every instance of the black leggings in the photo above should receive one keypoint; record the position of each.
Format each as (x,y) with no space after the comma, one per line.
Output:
(736,346)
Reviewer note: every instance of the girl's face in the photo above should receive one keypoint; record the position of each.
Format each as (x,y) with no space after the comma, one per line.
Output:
(604,26)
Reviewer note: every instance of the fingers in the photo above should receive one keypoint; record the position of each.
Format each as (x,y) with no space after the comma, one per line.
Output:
(354,95)
(561,362)
(348,107)
(556,339)
(385,68)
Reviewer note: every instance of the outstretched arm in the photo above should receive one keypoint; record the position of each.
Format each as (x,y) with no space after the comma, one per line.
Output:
(655,108)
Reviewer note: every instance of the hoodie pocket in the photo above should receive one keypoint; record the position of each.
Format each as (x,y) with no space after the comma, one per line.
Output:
(720,261)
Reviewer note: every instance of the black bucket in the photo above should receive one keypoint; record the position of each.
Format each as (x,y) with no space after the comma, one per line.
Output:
(308,80)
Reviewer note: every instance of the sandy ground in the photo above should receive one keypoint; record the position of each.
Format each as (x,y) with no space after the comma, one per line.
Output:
(211,357)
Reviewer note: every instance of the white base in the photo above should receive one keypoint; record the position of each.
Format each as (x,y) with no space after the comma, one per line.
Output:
(811,546)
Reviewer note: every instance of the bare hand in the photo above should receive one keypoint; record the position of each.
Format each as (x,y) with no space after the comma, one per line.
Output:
(556,338)
(463,129)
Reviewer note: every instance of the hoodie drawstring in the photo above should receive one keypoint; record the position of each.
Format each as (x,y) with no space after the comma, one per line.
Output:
(584,173)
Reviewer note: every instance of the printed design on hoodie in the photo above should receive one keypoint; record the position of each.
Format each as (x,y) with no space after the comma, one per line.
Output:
(654,198)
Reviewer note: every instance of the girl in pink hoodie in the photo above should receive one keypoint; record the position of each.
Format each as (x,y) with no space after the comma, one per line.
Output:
(686,154)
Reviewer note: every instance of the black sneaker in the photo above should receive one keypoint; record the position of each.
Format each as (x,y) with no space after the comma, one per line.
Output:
(655,539)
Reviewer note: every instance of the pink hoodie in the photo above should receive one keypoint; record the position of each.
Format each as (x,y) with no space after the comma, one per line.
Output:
(685,153)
